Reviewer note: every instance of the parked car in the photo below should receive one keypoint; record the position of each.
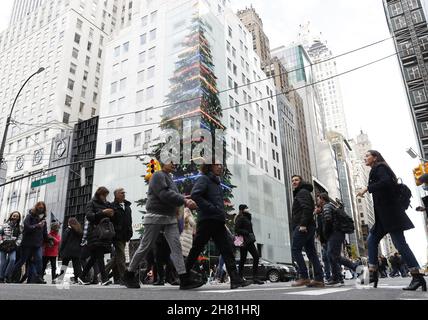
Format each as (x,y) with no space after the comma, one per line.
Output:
(274,272)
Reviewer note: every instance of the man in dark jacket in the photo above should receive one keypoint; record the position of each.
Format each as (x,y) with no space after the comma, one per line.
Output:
(304,233)
(244,228)
(162,206)
(335,238)
(122,222)
(208,195)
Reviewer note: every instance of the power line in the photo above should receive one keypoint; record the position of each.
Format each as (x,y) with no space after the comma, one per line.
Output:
(252,82)
(258,100)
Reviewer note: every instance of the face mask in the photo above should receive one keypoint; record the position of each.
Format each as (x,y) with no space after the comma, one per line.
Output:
(41,216)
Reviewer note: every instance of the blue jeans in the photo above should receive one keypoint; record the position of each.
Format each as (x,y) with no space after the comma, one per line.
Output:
(7,262)
(334,250)
(326,261)
(306,240)
(220,271)
(28,253)
(376,235)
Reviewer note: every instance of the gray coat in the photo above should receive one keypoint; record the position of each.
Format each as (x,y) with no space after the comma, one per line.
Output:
(163,197)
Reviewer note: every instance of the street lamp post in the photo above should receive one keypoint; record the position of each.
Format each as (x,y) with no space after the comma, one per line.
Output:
(9,118)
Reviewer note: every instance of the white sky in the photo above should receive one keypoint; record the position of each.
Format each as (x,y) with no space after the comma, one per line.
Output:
(374,97)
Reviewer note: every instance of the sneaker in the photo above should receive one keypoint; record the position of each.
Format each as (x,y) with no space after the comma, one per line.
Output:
(301,283)
(130,280)
(39,280)
(82,282)
(106,283)
(316,284)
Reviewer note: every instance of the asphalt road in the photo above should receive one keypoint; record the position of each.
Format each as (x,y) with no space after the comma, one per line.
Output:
(389,289)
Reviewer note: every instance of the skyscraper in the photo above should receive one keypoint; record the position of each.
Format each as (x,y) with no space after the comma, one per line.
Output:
(407,23)
(68,39)
(22,8)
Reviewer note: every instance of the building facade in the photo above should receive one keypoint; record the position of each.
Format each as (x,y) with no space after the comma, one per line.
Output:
(140,80)
(22,8)
(293,158)
(67,38)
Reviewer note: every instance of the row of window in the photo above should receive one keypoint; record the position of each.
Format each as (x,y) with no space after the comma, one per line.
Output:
(28,141)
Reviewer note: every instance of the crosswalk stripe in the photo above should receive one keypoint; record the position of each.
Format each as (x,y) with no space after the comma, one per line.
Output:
(244,290)
(319,292)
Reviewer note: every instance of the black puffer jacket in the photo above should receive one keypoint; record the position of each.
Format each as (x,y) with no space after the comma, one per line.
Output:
(122,221)
(303,206)
(70,244)
(243,225)
(208,195)
(94,214)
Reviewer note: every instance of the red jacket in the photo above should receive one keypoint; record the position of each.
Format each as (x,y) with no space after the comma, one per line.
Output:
(52,251)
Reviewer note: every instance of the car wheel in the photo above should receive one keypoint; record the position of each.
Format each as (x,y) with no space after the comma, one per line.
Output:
(273,276)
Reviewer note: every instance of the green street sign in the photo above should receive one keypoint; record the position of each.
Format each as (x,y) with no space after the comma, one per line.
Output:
(43,182)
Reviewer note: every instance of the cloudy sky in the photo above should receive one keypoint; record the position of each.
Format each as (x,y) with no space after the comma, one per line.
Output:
(374,97)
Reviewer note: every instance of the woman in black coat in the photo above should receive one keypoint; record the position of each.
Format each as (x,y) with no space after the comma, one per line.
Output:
(389,218)
(70,247)
(97,210)
(244,228)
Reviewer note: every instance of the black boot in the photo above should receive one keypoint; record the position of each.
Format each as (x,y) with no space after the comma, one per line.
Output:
(189,281)
(374,277)
(130,280)
(236,281)
(417,281)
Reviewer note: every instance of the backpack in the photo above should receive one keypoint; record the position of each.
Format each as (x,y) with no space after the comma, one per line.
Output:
(343,222)
(403,196)
(104,231)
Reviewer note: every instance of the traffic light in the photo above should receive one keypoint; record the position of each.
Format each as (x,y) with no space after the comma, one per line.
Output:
(152,167)
(417,173)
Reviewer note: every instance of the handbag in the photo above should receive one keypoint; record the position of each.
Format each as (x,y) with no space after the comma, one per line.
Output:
(8,246)
(238,241)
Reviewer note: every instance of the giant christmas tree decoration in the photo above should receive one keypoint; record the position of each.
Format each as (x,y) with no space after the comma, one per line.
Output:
(193,100)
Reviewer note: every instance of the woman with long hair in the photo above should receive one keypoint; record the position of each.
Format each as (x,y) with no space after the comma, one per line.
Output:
(97,210)
(389,218)
(70,248)
(34,235)
(10,240)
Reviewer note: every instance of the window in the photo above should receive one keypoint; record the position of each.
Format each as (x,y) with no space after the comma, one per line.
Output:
(79,24)
(68,100)
(153,16)
(419,96)
(122,84)
(144,21)
(412,73)
(229,64)
(66,118)
(142,57)
(143,39)
(147,136)
(152,52)
(238,126)
(73,68)
(75,53)
(151,72)
(139,117)
(395,9)
(232,122)
(85,76)
(399,23)
(89,47)
(150,92)
(137,140)
(109,147)
(153,35)
(417,16)
(70,85)
(239,147)
(77,38)
(140,96)
(248,154)
(110,124)
(116,52)
(413,4)
(125,47)
(88,59)
(81,107)
(140,76)
(405,48)
(83,94)
(230,32)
